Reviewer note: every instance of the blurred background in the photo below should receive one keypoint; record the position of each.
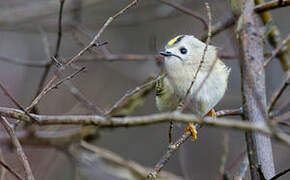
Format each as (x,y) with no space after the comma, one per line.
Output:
(142,30)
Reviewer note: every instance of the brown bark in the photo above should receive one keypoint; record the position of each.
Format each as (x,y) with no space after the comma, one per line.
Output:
(254,93)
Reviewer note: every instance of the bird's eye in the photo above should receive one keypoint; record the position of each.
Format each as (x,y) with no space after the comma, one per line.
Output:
(183,50)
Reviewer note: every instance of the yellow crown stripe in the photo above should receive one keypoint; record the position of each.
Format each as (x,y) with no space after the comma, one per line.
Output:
(175,40)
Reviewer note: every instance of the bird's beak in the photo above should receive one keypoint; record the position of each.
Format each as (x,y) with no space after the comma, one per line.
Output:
(166,53)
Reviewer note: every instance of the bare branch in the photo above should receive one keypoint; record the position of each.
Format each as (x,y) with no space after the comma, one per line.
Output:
(84,149)
(277,94)
(82,99)
(130,94)
(15,101)
(225,22)
(274,36)
(47,51)
(253,90)
(281,118)
(280,174)
(59,32)
(242,155)
(93,43)
(224,156)
(14,173)
(20,153)
(187,11)
(26,63)
(115,122)
(243,169)
(271,5)
(175,146)
(36,100)
(277,50)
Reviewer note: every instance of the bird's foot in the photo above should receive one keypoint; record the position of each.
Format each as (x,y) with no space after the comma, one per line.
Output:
(191,128)
(212,114)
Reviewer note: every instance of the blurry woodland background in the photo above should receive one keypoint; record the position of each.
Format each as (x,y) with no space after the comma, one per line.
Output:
(142,30)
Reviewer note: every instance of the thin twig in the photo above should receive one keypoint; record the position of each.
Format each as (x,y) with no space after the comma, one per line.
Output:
(243,169)
(20,153)
(37,99)
(14,173)
(261,174)
(3,170)
(280,174)
(225,23)
(47,50)
(93,43)
(16,61)
(281,118)
(15,101)
(173,148)
(130,93)
(231,112)
(277,50)
(274,35)
(59,32)
(187,11)
(277,94)
(74,91)
(242,155)
(203,55)
(271,5)
(82,99)
(224,156)
(170,129)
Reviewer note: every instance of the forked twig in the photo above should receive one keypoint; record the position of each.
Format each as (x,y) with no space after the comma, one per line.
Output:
(47,49)
(16,102)
(93,43)
(47,90)
(174,147)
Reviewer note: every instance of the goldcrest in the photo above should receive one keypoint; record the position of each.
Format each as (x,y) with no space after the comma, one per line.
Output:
(182,57)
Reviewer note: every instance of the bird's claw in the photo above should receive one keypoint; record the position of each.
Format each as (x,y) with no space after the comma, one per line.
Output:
(191,128)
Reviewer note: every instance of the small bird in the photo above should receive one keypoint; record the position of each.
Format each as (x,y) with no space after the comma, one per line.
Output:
(183,55)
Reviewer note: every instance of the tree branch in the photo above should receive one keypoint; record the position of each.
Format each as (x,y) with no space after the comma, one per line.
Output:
(131,121)
(93,43)
(274,35)
(277,50)
(271,5)
(187,11)
(14,173)
(277,94)
(280,174)
(20,153)
(253,91)
(45,91)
